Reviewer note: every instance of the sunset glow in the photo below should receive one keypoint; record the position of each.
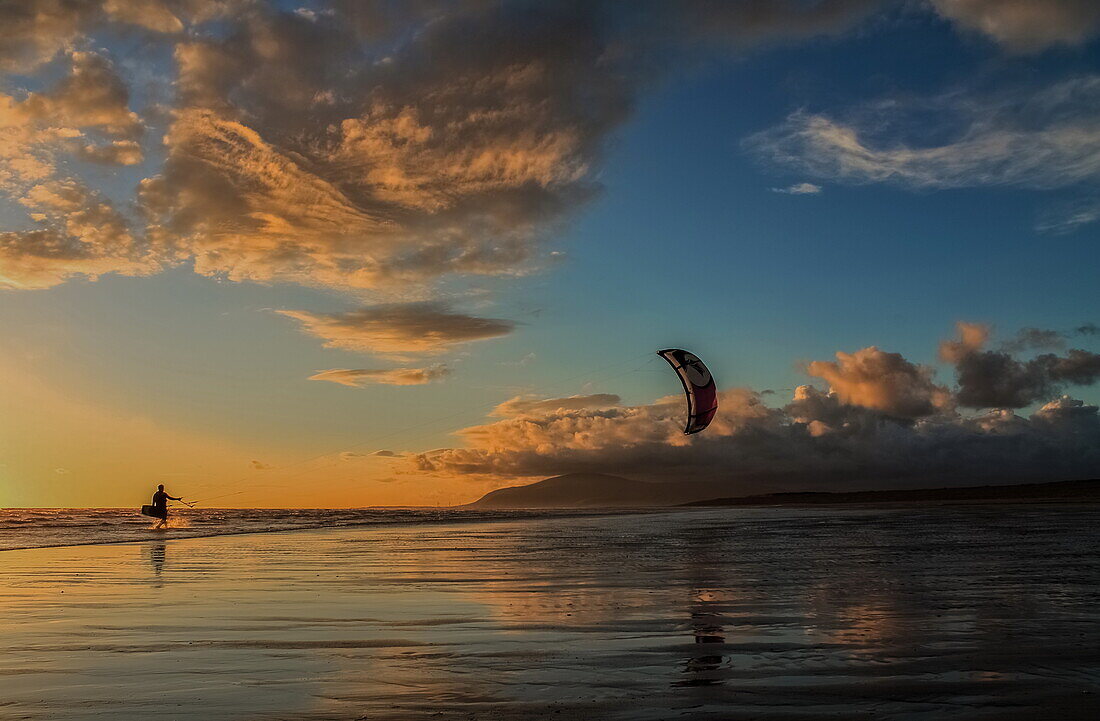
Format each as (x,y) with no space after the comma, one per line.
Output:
(476,222)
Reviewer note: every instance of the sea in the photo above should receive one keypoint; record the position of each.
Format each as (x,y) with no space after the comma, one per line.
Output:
(49,527)
(921,612)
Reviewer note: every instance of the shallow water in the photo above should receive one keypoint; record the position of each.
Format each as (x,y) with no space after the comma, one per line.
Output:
(48,527)
(965,612)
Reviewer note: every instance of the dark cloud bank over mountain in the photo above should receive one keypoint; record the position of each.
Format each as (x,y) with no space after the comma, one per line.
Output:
(883,422)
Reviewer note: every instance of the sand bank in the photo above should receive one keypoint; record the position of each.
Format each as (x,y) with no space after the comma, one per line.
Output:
(967,613)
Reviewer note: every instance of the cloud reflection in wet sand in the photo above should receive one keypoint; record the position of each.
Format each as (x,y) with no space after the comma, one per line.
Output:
(763,613)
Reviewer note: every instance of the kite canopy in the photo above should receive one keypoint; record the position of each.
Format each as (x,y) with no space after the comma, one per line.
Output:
(702,394)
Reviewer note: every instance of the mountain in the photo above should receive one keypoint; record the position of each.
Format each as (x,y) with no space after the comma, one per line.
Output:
(593,490)
(1068,491)
(599,490)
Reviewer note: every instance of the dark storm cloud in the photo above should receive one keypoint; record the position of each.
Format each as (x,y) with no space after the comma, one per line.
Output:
(1035,339)
(997,379)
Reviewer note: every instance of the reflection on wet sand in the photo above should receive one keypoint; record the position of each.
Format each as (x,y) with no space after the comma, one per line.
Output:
(759,613)
(158,550)
(708,631)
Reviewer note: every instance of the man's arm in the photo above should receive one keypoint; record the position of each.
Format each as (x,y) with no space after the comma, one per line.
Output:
(173,498)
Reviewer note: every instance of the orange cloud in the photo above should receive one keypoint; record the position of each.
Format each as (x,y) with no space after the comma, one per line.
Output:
(970,337)
(152,15)
(359,377)
(348,174)
(78,233)
(399,330)
(996,379)
(522,406)
(91,96)
(883,420)
(882,381)
(81,234)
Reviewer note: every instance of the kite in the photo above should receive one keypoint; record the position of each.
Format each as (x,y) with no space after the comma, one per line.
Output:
(702,394)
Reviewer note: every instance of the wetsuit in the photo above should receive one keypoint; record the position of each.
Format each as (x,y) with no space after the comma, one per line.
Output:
(160,504)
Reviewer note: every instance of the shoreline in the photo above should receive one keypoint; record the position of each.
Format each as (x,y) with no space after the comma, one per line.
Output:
(539,514)
(535,514)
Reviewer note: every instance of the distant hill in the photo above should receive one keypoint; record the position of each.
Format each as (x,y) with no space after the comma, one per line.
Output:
(1085,491)
(593,490)
(600,490)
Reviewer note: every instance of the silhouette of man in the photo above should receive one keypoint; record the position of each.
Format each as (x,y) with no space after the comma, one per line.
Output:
(160,503)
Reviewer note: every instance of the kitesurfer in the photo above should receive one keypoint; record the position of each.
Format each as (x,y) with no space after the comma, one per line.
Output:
(160,505)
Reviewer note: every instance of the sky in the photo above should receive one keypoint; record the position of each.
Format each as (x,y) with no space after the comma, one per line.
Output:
(385,253)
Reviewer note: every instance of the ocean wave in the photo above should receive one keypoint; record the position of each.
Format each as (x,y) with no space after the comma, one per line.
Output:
(50,528)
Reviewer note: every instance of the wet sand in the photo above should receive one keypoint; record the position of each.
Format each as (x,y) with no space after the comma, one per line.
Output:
(963,612)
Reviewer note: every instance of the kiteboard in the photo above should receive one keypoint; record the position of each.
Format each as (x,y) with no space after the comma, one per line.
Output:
(155,512)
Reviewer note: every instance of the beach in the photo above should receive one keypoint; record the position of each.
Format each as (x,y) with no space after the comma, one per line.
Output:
(916,612)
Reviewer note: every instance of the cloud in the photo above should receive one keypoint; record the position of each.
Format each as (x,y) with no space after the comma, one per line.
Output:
(799,189)
(760,21)
(261,466)
(526,360)
(1035,339)
(75,230)
(1026,25)
(882,381)
(118,152)
(92,95)
(970,338)
(996,379)
(350,147)
(377,146)
(521,406)
(357,378)
(358,145)
(1048,138)
(384,453)
(399,330)
(299,153)
(33,32)
(152,15)
(80,234)
(1068,413)
(1066,218)
(882,422)
(753,447)
(85,113)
